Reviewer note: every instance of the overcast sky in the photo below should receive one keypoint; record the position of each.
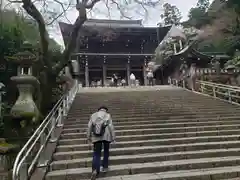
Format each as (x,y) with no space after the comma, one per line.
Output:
(152,20)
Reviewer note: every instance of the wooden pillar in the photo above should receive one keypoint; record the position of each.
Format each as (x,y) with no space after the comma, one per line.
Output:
(174,48)
(104,70)
(86,74)
(181,45)
(128,72)
(145,72)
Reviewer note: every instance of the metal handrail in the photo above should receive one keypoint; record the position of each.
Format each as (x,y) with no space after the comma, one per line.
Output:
(219,85)
(221,91)
(27,159)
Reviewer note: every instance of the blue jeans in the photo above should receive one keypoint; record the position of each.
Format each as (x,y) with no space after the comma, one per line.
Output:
(96,162)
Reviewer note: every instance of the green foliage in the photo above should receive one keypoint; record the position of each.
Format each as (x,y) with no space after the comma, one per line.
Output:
(210,45)
(11,38)
(19,28)
(221,23)
(203,4)
(4,111)
(171,15)
(235,61)
(234,4)
(198,16)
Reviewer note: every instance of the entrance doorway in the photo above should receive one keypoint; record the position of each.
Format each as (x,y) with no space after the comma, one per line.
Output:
(95,76)
(121,73)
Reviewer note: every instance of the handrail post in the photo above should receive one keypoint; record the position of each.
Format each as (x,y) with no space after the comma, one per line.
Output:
(67,102)
(214,91)
(64,107)
(53,126)
(201,87)
(184,86)
(229,96)
(42,162)
(23,173)
(59,119)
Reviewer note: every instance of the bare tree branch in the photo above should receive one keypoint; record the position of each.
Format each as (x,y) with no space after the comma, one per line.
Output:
(91,4)
(44,37)
(64,10)
(72,40)
(108,8)
(120,10)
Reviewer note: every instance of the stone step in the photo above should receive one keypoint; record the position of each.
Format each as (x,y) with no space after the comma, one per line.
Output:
(141,97)
(149,103)
(148,107)
(156,109)
(161,116)
(228,173)
(142,158)
(150,149)
(160,124)
(153,142)
(153,167)
(158,130)
(167,113)
(159,109)
(156,136)
(152,99)
(172,116)
(90,100)
(140,121)
(152,109)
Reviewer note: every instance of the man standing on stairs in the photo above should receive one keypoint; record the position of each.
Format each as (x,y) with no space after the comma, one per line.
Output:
(100,133)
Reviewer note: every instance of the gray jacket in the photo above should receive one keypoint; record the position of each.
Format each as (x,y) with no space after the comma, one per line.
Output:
(109,134)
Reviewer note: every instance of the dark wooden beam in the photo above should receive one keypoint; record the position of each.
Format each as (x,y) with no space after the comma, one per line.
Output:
(112,54)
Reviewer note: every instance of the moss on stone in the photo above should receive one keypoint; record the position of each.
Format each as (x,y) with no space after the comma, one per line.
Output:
(6,147)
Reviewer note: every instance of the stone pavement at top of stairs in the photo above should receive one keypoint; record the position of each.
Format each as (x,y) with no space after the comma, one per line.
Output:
(163,133)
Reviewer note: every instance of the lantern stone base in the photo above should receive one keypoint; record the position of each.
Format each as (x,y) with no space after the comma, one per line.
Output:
(7,156)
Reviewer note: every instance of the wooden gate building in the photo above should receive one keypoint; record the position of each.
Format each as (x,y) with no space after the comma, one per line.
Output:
(105,47)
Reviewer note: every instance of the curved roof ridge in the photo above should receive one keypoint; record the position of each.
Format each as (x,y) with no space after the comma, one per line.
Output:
(139,22)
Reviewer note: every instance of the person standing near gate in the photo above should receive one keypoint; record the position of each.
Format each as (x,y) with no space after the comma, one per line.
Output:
(193,76)
(132,80)
(100,133)
(150,78)
(115,80)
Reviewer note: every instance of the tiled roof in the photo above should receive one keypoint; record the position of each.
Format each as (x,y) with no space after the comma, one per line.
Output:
(113,23)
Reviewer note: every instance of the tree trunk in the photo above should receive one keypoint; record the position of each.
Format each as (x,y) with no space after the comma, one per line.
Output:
(47,96)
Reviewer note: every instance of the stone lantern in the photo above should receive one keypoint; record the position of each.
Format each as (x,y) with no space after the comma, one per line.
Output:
(25,108)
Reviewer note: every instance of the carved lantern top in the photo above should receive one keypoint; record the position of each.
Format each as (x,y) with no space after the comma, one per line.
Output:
(25,57)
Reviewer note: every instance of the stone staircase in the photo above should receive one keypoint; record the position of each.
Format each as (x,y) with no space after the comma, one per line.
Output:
(167,134)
